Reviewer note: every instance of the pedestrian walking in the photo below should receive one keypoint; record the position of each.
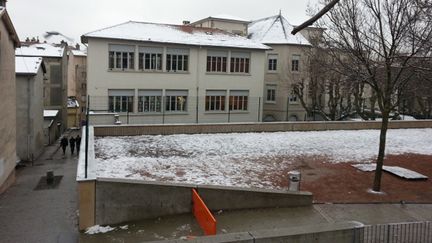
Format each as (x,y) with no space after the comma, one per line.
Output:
(78,143)
(72,144)
(64,144)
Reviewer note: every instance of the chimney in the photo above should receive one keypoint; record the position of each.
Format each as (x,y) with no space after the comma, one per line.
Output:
(77,46)
(186,22)
(3,3)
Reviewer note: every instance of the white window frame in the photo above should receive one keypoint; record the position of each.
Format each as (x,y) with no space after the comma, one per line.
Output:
(239,100)
(150,101)
(176,100)
(295,63)
(154,59)
(117,54)
(120,100)
(217,61)
(177,55)
(240,62)
(271,88)
(272,62)
(215,100)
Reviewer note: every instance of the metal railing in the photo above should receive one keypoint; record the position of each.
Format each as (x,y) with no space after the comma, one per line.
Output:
(411,232)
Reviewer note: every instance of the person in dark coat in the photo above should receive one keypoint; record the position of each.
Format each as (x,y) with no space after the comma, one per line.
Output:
(64,144)
(78,143)
(72,144)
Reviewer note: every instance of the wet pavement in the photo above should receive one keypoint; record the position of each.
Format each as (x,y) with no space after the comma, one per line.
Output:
(46,215)
(184,226)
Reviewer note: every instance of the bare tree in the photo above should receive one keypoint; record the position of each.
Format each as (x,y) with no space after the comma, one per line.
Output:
(380,38)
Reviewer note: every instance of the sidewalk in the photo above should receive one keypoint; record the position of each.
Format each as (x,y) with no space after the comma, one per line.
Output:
(46,215)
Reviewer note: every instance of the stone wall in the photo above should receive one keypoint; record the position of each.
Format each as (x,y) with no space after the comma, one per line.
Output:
(133,130)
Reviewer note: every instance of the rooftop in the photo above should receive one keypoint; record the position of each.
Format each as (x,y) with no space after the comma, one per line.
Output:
(228,17)
(275,30)
(40,50)
(82,53)
(174,34)
(27,65)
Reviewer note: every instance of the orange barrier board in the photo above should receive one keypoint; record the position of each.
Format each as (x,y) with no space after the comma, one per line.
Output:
(203,215)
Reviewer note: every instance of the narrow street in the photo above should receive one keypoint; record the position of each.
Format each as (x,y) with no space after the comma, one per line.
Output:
(43,214)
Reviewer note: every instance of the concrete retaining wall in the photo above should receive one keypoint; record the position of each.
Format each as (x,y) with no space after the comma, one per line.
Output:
(133,130)
(119,200)
(348,232)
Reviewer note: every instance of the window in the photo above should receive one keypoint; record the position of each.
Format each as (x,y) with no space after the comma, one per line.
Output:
(293,99)
(177,60)
(240,62)
(121,57)
(271,93)
(120,100)
(238,100)
(150,58)
(272,62)
(176,100)
(295,63)
(149,100)
(216,61)
(215,100)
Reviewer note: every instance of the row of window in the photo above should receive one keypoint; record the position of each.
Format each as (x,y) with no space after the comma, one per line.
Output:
(152,101)
(121,57)
(272,61)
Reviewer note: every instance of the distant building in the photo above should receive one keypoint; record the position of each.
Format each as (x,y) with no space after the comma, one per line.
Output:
(224,22)
(8,42)
(77,82)
(286,64)
(55,82)
(74,113)
(30,73)
(160,73)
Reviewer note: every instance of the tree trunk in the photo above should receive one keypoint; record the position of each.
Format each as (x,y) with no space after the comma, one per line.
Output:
(381,152)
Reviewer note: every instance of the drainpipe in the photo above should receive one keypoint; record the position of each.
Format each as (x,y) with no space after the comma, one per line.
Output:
(197,84)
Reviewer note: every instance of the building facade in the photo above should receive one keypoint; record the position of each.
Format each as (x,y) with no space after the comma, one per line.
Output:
(8,42)
(30,72)
(77,85)
(55,81)
(286,64)
(157,73)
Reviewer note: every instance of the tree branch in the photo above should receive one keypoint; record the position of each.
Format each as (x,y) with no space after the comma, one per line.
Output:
(315,18)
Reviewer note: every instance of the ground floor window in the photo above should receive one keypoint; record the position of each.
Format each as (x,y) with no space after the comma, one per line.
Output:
(149,101)
(176,100)
(120,103)
(239,100)
(271,93)
(215,100)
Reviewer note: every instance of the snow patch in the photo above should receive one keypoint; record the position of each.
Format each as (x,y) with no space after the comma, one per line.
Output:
(375,192)
(96,229)
(242,159)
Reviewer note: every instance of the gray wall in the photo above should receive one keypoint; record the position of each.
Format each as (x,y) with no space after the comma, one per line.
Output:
(133,130)
(7,108)
(119,201)
(30,136)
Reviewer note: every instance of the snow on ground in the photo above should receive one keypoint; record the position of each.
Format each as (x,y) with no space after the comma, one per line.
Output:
(242,159)
(96,229)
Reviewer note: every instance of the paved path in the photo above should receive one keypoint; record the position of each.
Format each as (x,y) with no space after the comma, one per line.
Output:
(50,215)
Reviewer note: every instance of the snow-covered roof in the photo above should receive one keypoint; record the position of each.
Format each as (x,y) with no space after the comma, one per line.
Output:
(40,50)
(27,65)
(174,34)
(55,37)
(275,30)
(228,17)
(79,53)
(50,113)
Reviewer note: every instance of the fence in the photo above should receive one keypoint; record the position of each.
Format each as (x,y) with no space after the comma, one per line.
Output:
(414,232)
(177,108)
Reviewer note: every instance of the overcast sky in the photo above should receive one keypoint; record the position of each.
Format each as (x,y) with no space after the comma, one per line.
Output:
(74,18)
